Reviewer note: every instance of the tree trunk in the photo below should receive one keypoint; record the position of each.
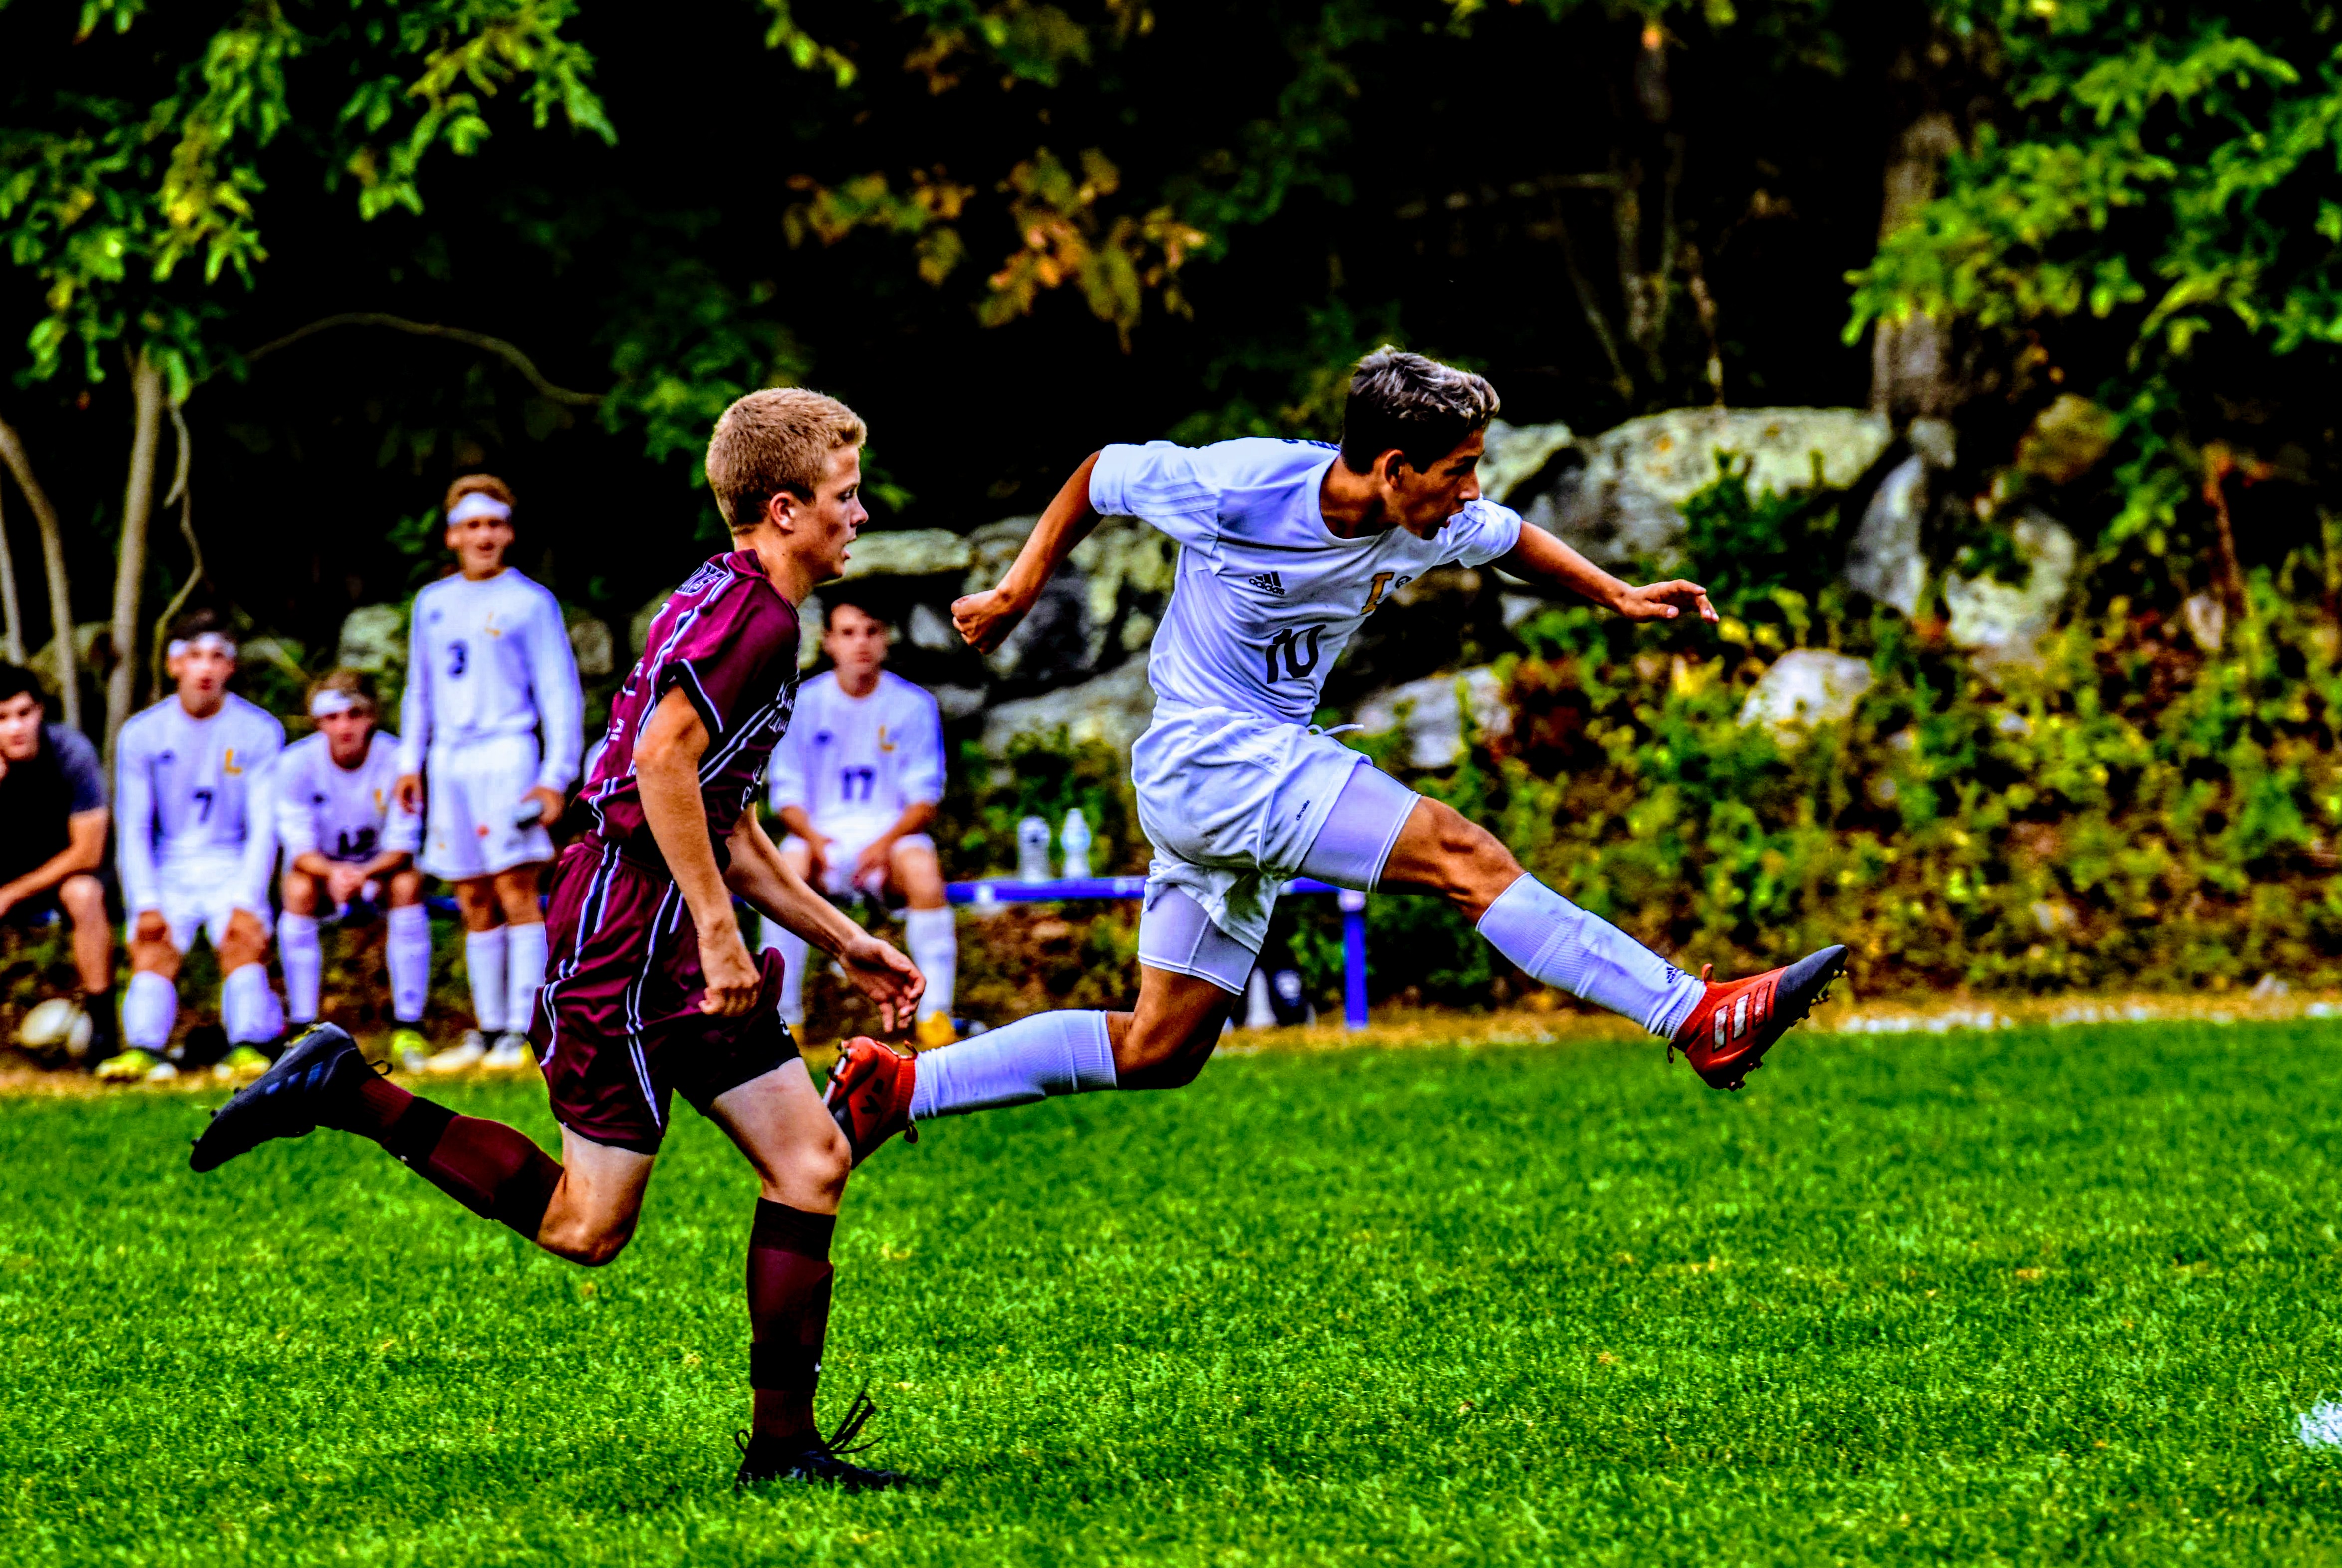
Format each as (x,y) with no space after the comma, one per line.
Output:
(1910,361)
(13,636)
(53,563)
(130,567)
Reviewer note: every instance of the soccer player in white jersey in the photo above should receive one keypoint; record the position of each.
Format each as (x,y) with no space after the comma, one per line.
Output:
(1288,547)
(492,717)
(194,847)
(346,839)
(857,781)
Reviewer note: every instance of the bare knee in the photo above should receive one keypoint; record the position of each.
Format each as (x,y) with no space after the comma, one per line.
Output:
(405,888)
(517,896)
(586,1242)
(813,1172)
(299,890)
(1166,1056)
(475,902)
(84,897)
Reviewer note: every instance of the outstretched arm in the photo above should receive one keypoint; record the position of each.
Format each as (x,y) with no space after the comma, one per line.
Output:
(985,619)
(1540,557)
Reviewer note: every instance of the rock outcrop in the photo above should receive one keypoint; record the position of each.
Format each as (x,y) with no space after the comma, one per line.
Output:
(1807,688)
(1430,714)
(1616,496)
(1113,709)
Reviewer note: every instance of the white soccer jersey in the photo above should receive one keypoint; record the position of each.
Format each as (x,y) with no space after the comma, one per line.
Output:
(486,660)
(192,790)
(1266,598)
(343,814)
(848,757)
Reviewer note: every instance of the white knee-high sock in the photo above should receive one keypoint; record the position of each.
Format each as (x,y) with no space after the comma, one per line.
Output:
(1562,945)
(149,1007)
(934,943)
(409,943)
(525,968)
(249,1010)
(1048,1053)
(794,953)
(304,959)
(484,966)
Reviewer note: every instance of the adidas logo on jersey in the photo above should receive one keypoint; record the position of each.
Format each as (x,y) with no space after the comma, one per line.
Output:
(1268,583)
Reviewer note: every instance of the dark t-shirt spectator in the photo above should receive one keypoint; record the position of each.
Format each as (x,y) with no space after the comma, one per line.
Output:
(37,795)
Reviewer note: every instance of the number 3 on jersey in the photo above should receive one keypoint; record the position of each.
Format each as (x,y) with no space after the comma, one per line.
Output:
(458,659)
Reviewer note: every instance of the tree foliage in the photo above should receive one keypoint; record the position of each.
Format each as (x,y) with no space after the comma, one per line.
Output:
(2151,212)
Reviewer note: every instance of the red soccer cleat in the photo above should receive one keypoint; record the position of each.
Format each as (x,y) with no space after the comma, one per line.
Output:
(1727,1035)
(869,1095)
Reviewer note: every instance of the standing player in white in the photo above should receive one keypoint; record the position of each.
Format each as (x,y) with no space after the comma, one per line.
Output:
(857,781)
(1288,547)
(492,715)
(346,838)
(194,848)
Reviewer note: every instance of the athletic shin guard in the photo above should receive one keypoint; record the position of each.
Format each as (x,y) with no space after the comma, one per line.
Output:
(788,1314)
(525,967)
(149,1008)
(484,968)
(409,943)
(249,1010)
(1560,944)
(934,943)
(304,958)
(1047,1053)
(794,953)
(496,1172)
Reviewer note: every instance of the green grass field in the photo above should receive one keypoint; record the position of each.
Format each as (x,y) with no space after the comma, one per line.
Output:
(1963,1298)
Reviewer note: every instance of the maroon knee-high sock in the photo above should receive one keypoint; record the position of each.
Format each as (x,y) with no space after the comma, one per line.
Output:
(788,1314)
(496,1172)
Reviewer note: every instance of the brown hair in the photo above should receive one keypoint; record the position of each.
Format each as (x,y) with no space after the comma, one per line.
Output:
(775,440)
(478,484)
(349,683)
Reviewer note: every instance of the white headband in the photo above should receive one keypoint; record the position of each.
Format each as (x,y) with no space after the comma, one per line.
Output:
(478,503)
(325,705)
(210,642)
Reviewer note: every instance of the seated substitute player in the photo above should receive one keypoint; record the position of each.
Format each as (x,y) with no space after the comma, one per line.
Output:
(348,839)
(492,716)
(651,991)
(53,799)
(1288,547)
(194,847)
(857,781)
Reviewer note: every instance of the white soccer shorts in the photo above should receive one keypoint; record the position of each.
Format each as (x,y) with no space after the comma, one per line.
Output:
(473,794)
(1233,802)
(849,837)
(198,894)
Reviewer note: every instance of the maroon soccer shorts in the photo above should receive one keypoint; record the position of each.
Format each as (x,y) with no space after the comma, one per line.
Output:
(618,1027)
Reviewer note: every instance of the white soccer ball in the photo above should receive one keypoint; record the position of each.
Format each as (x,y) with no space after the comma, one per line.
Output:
(58,1021)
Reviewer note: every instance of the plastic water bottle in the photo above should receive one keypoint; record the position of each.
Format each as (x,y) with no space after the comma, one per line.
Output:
(1074,838)
(1033,849)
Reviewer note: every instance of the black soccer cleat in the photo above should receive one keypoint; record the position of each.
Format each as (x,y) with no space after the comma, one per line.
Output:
(283,1102)
(816,1460)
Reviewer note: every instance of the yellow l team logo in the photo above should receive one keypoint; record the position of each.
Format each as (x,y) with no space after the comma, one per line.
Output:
(885,742)
(227,764)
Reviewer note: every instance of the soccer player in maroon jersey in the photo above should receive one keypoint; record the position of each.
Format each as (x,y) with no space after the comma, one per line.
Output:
(650,990)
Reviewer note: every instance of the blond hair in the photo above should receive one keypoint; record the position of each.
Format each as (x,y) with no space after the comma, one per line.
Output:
(478,484)
(350,683)
(776,440)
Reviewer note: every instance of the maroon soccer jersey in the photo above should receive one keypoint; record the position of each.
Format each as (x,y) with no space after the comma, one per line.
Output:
(728,641)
